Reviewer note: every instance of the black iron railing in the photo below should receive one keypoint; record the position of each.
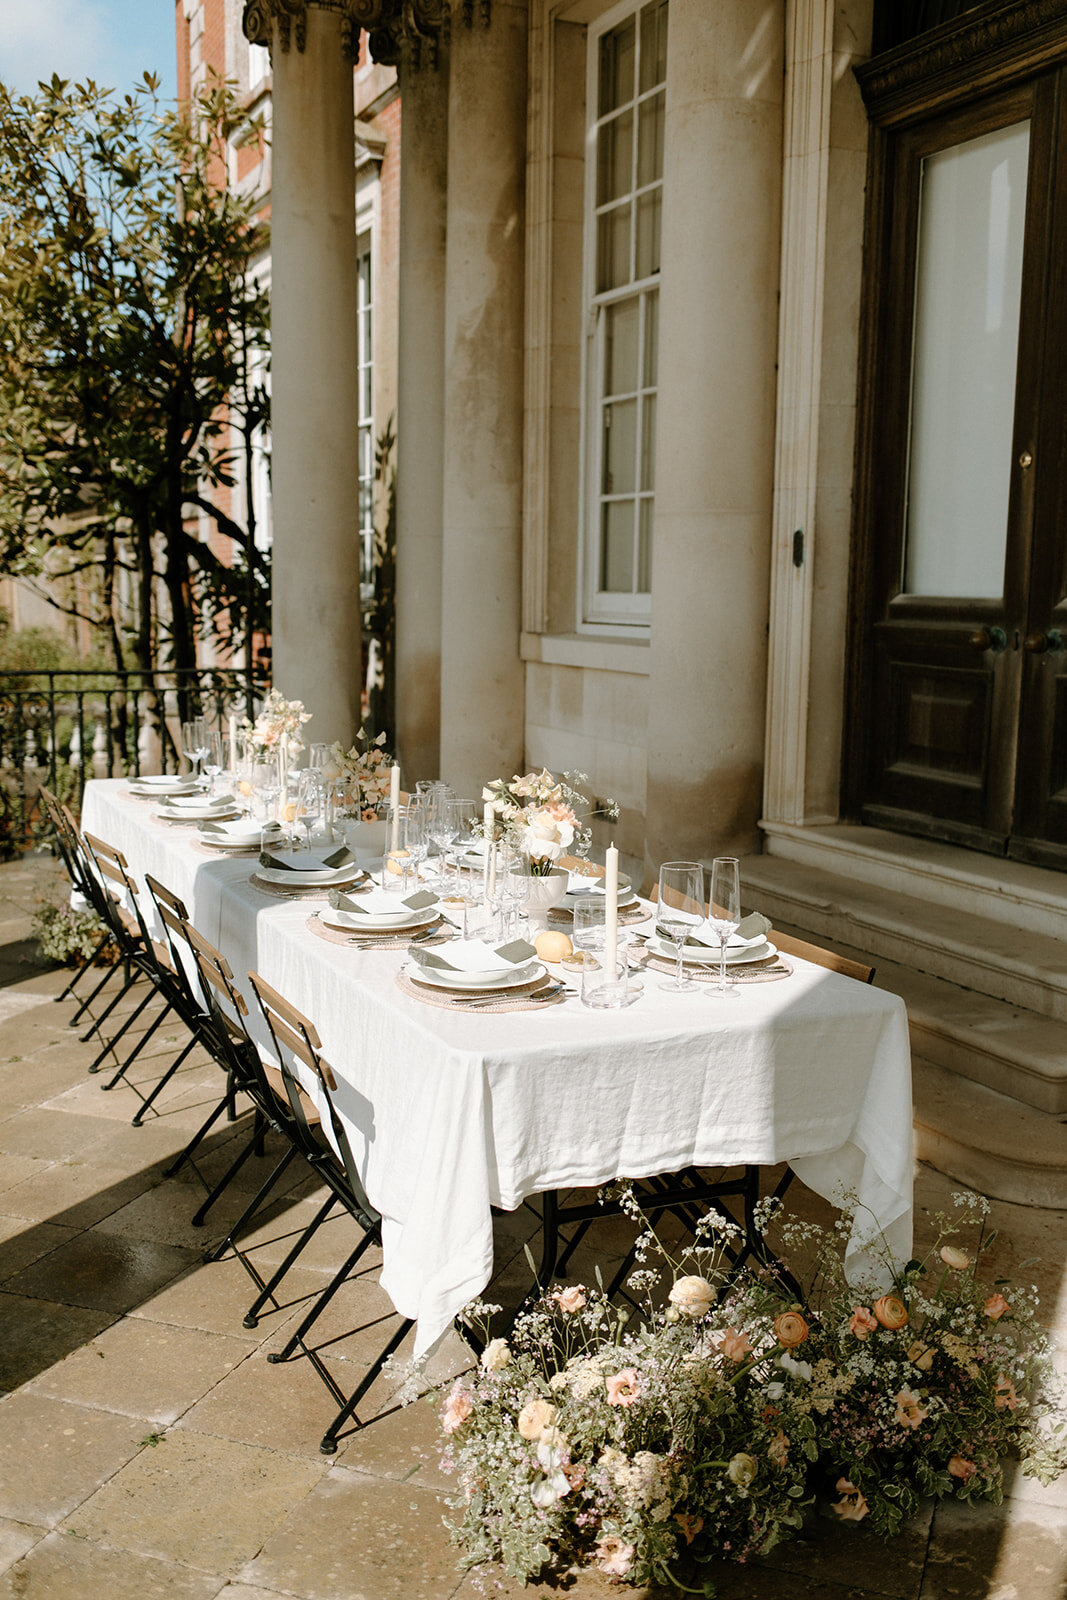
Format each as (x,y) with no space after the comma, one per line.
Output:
(62,728)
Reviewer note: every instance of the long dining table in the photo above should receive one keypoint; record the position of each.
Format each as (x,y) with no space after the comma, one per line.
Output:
(451,1113)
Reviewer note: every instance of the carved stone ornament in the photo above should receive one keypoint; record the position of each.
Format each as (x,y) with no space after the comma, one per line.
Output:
(391,24)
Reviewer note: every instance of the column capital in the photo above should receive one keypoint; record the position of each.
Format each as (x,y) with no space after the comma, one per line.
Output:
(391,24)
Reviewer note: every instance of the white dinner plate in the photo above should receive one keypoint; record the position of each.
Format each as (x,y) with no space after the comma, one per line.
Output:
(240,834)
(230,847)
(736,956)
(193,813)
(377,921)
(436,978)
(168,784)
(303,878)
(627,899)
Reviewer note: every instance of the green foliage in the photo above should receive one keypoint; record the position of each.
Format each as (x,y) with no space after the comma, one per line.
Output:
(132,343)
(66,937)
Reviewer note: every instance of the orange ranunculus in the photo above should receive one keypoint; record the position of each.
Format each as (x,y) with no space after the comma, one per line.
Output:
(852,1507)
(790,1329)
(861,1323)
(958,1260)
(921,1355)
(735,1345)
(959,1467)
(891,1311)
(996,1306)
(457,1408)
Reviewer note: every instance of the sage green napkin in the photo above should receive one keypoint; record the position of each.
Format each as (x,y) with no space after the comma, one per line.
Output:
(414,902)
(518,953)
(340,858)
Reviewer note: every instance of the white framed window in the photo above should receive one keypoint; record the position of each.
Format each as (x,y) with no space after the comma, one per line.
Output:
(258,65)
(625,115)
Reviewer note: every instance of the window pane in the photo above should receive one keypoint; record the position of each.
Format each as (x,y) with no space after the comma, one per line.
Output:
(617,548)
(649,214)
(615,146)
(620,347)
(653,45)
(617,68)
(613,248)
(968,279)
(651,338)
(620,447)
(648,442)
(644,547)
(650,139)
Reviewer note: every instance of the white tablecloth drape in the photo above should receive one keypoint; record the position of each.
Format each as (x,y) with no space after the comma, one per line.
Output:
(450,1113)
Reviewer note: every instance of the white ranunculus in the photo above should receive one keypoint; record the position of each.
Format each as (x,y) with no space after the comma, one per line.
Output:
(496,1355)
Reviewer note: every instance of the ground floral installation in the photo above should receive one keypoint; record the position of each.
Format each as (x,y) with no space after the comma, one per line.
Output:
(360,774)
(279,717)
(703,1425)
(544,817)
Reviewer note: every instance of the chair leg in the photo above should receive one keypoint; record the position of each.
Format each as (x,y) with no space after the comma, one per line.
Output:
(126,1026)
(162,1084)
(324,1298)
(84,1005)
(138,1047)
(201,1133)
(82,970)
(130,980)
(231,1172)
(328,1445)
(250,1209)
(251,1318)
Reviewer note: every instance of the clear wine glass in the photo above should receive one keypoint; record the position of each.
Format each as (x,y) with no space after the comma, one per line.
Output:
(416,839)
(443,828)
(194,742)
(310,796)
(680,909)
(266,785)
(724,913)
(214,758)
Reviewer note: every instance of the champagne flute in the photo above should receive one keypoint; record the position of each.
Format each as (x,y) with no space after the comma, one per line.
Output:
(416,839)
(194,742)
(679,911)
(309,800)
(214,758)
(724,913)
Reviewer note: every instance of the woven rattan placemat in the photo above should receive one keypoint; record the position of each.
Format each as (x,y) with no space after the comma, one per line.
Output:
(380,939)
(515,999)
(768,971)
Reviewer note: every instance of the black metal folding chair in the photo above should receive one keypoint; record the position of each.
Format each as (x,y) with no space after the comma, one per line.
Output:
(85,879)
(66,841)
(295,1040)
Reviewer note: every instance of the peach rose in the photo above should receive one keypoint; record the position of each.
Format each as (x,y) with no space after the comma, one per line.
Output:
(790,1329)
(735,1345)
(571,1299)
(689,1525)
(614,1556)
(456,1409)
(861,1323)
(534,1418)
(958,1260)
(891,1311)
(959,1467)
(921,1355)
(910,1411)
(852,1507)
(778,1449)
(996,1306)
(1004,1397)
(692,1296)
(623,1388)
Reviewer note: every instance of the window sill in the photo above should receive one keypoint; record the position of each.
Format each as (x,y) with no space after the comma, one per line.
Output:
(579,650)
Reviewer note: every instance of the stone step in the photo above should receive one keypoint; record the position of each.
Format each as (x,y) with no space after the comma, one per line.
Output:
(1010,892)
(988,1141)
(992,957)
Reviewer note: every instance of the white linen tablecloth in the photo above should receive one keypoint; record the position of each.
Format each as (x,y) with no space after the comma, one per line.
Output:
(450,1113)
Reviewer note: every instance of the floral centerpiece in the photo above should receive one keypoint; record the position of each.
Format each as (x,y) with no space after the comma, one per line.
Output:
(543,817)
(644,1446)
(279,718)
(361,774)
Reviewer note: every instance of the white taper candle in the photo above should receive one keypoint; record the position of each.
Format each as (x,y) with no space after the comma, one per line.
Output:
(611,911)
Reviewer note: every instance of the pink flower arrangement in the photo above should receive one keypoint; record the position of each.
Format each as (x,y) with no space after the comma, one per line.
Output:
(861,1323)
(910,1412)
(457,1408)
(852,1507)
(735,1345)
(996,1306)
(571,1299)
(623,1388)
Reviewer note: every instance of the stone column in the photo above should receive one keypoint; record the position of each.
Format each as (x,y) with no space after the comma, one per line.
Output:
(715,429)
(481,670)
(315,589)
(420,416)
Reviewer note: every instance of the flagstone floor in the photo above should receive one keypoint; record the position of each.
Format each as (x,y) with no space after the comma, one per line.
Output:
(148,1449)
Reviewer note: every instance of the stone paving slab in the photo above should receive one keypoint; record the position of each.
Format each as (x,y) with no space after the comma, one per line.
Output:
(65,1567)
(56,1453)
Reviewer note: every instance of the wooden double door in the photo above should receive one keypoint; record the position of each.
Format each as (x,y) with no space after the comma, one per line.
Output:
(958,697)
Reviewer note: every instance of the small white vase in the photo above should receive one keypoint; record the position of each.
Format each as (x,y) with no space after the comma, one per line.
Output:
(541,895)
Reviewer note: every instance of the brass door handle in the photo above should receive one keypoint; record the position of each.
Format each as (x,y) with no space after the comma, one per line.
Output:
(1038,643)
(988,639)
